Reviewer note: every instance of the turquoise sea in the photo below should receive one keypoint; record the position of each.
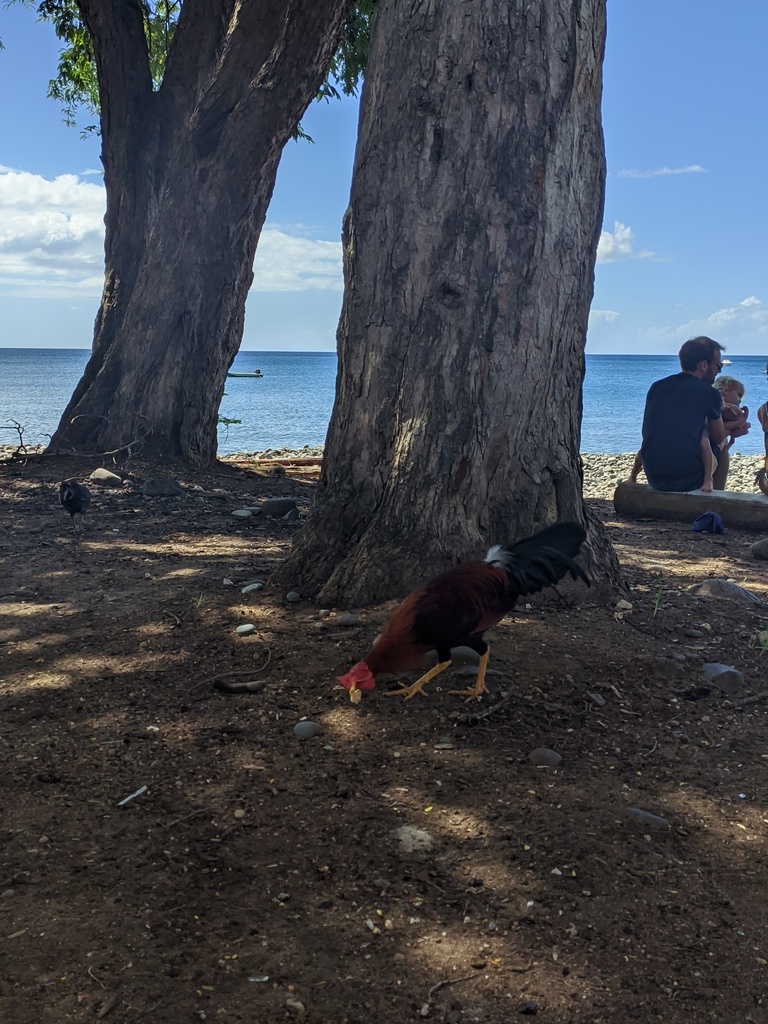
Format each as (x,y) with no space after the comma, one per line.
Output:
(291,404)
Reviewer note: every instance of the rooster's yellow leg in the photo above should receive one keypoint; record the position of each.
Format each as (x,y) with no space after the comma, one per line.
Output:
(479,687)
(414,688)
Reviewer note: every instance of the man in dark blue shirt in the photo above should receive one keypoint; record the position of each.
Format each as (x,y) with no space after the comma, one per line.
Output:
(676,410)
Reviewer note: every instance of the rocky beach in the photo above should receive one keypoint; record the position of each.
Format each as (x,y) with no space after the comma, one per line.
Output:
(601,472)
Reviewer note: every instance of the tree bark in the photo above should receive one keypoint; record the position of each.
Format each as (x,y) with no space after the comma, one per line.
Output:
(469,250)
(189,173)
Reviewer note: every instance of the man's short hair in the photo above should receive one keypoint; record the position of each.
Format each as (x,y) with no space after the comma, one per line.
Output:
(697,350)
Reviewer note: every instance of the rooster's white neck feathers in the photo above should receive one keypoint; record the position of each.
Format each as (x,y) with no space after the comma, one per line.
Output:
(498,556)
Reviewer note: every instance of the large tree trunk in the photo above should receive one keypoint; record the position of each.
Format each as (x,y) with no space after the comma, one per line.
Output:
(469,251)
(189,172)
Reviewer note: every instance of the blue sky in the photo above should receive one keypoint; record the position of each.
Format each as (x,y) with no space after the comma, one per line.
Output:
(683,249)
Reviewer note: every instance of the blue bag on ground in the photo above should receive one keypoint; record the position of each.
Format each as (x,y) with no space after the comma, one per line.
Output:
(709,522)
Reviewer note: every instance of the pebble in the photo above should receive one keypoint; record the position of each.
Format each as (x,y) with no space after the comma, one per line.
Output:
(646,818)
(295,1006)
(596,698)
(723,675)
(346,619)
(414,840)
(543,757)
(249,587)
(293,597)
(695,633)
(246,629)
(529,1007)
(242,513)
(306,730)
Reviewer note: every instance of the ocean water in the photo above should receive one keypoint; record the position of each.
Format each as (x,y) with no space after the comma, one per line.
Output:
(291,404)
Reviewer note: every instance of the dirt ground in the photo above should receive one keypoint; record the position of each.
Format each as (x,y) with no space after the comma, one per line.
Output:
(259,877)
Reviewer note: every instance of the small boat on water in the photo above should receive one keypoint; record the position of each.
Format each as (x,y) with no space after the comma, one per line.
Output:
(727,362)
(252,373)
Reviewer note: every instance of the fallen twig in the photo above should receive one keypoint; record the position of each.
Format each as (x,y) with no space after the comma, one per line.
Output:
(763,695)
(132,796)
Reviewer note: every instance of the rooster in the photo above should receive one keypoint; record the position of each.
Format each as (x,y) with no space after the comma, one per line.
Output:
(76,500)
(456,608)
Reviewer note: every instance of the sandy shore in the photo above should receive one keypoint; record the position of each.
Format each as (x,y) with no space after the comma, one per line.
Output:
(601,472)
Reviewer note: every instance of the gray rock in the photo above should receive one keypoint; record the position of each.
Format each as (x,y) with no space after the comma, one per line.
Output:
(724,676)
(293,597)
(246,629)
(647,819)
(543,757)
(291,516)
(414,840)
(242,513)
(724,588)
(695,633)
(162,486)
(106,478)
(346,619)
(306,730)
(277,507)
(249,587)
(459,656)
(760,548)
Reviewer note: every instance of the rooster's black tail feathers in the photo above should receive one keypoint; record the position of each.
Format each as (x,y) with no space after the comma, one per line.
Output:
(542,560)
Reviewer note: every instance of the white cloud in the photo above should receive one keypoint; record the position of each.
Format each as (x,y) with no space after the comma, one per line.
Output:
(737,323)
(606,315)
(619,244)
(52,243)
(662,171)
(285,263)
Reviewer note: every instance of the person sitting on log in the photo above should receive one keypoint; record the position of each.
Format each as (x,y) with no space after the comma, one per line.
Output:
(677,409)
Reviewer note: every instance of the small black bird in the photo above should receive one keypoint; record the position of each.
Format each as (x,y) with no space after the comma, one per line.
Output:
(76,500)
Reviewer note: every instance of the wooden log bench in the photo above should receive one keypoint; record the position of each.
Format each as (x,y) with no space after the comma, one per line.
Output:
(736,509)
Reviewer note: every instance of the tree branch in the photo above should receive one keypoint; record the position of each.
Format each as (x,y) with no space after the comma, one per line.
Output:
(122,63)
